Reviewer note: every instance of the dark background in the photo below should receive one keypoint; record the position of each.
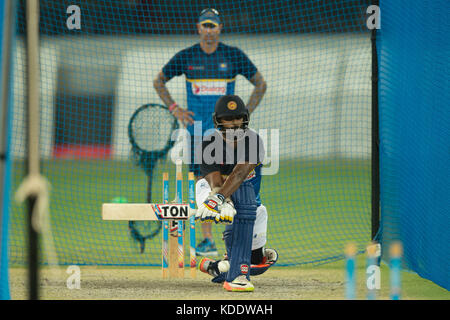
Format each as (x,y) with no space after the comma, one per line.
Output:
(179,16)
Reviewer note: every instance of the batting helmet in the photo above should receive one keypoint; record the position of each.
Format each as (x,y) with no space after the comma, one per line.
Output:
(230,107)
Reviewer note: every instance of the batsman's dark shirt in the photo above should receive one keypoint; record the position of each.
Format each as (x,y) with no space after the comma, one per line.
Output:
(250,150)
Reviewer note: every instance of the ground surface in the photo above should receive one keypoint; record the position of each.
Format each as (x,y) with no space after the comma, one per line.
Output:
(326,282)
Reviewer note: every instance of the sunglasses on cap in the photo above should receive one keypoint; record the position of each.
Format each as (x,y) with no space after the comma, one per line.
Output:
(209,10)
(209,25)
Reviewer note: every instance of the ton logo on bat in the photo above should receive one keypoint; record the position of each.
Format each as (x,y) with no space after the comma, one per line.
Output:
(174,211)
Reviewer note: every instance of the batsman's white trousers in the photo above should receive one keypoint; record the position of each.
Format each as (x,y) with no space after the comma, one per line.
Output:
(202,191)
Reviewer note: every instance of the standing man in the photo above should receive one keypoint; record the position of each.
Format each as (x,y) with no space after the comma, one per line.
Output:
(210,68)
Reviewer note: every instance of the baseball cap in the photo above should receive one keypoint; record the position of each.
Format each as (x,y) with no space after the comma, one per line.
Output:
(209,15)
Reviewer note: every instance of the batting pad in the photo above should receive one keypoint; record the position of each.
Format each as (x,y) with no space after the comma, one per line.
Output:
(202,191)
(241,232)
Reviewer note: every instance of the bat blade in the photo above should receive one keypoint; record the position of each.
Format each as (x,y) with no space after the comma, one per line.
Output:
(145,211)
(129,212)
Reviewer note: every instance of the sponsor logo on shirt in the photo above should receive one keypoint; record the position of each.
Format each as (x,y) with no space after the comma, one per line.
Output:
(209,88)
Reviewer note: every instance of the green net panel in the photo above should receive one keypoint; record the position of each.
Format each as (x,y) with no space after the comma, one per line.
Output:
(316,59)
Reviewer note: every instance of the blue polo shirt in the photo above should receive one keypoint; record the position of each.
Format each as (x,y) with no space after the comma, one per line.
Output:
(208,76)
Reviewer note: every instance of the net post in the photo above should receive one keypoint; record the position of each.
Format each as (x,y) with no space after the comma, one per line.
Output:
(375,158)
(350,271)
(165,228)
(395,256)
(192,253)
(5,120)
(33,124)
(180,223)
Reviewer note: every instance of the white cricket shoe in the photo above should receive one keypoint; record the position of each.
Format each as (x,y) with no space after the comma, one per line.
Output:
(240,284)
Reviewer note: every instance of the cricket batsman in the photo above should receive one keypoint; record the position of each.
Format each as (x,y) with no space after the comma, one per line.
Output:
(229,194)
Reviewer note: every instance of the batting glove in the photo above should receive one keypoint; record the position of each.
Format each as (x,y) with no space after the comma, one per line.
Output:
(226,213)
(209,209)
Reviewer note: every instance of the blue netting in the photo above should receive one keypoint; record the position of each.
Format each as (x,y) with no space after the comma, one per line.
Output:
(415,135)
(316,59)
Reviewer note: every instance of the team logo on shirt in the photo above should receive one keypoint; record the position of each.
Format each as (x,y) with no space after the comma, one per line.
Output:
(232,105)
(223,66)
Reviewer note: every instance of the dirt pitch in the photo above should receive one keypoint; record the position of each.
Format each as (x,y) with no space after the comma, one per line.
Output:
(100,283)
(324,282)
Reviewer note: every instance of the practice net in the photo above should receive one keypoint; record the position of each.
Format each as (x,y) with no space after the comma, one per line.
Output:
(97,67)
